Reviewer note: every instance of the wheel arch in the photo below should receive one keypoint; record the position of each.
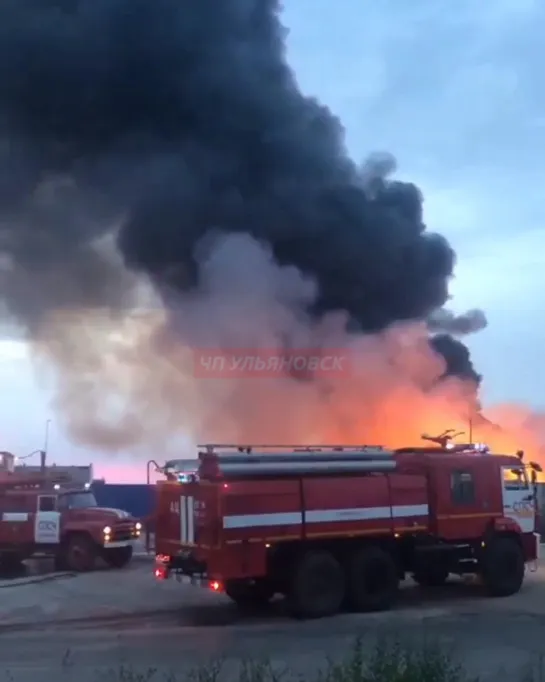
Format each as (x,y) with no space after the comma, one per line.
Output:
(71,533)
(283,555)
(502,528)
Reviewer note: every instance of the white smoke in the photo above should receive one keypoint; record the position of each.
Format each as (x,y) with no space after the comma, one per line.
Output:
(133,382)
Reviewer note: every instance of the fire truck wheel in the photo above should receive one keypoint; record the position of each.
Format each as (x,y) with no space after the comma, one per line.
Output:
(373,580)
(79,553)
(503,567)
(317,586)
(431,576)
(117,557)
(249,595)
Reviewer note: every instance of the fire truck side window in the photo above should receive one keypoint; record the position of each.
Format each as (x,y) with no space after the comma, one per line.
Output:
(462,487)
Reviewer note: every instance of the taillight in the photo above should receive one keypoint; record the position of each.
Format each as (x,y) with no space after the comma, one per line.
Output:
(161,570)
(215,586)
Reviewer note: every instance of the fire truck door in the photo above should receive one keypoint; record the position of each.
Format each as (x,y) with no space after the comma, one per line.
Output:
(518,503)
(47,526)
(464,504)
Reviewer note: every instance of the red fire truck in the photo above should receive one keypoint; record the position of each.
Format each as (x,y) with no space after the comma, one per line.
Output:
(332,527)
(45,514)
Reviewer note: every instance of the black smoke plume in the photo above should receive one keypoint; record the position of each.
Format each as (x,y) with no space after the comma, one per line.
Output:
(167,120)
(457,358)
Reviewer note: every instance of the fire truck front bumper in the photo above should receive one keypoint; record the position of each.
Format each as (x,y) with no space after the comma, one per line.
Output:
(531,546)
(537,541)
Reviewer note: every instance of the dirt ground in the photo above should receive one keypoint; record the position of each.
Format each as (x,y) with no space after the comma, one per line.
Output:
(80,623)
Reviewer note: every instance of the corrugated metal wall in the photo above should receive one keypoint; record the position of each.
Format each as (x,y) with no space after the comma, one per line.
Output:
(138,499)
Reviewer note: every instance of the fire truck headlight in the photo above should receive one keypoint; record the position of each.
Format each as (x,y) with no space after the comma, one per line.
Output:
(138,525)
(106,530)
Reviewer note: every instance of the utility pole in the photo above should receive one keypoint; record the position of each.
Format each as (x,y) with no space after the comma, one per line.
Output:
(470,429)
(43,453)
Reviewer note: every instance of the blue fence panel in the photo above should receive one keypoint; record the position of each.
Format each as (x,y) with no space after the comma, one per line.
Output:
(137,499)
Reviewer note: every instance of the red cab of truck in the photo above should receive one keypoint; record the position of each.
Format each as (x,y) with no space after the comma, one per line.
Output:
(332,526)
(45,514)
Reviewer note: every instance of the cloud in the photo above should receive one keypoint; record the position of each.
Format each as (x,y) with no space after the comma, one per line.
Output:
(13,351)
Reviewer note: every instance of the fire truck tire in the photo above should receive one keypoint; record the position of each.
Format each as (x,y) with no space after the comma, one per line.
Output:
(249,595)
(117,557)
(431,576)
(503,567)
(373,580)
(317,586)
(79,553)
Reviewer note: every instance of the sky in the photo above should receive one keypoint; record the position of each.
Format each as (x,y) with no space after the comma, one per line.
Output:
(454,91)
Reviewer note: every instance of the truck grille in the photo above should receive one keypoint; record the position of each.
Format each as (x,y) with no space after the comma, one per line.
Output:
(122,534)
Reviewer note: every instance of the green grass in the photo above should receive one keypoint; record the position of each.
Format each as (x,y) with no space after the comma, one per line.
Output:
(388,661)
(393,662)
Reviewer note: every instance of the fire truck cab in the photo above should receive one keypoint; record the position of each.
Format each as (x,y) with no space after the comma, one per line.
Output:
(42,514)
(331,527)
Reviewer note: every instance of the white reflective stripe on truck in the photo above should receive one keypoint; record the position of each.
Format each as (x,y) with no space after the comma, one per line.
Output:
(187,519)
(183,519)
(191,520)
(325,516)
(14,516)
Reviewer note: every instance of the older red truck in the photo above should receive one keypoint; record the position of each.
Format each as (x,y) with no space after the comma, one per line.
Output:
(46,515)
(331,526)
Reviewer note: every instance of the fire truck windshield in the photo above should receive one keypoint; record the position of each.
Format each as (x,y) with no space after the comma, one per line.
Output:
(79,500)
(515,479)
